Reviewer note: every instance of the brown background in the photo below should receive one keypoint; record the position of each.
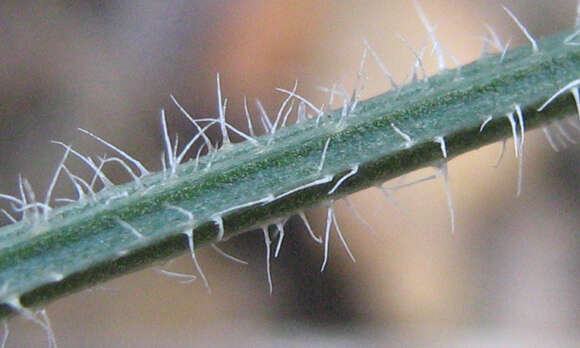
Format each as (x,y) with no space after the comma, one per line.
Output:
(508,275)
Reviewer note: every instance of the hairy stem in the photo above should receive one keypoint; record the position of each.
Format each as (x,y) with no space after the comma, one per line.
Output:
(252,184)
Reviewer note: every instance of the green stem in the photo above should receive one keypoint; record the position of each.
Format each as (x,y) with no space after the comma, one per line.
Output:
(247,185)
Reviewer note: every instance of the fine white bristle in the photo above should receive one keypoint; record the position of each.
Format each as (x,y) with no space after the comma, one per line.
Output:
(226,255)
(578,14)
(331,220)
(43,321)
(267,199)
(321,181)
(5,334)
(505,50)
(79,184)
(308,103)
(10,217)
(248,118)
(564,133)
(352,172)
(381,64)
(495,38)
(283,107)
(485,122)
(572,39)
(510,117)
(574,124)
(54,179)
(576,94)
(501,153)
(143,171)
(445,172)
(437,47)
(220,224)
(222,113)
(200,131)
(412,183)
(323,156)
(327,236)
(341,237)
(12,199)
(186,148)
(281,234)
(520,115)
(242,134)
(184,278)
(418,58)
(122,163)
(572,86)
(267,243)
(287,114)
(46,325)
(406,137)
(129,228)
(188,232)
(355,212)
(523,29)
(168,148)
(190,241)
(441,141)
(266,123)
(309,228)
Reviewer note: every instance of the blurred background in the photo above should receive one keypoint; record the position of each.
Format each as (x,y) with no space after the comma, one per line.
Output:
(508,276)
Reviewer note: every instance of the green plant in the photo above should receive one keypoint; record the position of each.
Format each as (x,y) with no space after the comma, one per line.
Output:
(265,179)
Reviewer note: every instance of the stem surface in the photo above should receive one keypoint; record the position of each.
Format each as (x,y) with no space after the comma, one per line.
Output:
(247,185)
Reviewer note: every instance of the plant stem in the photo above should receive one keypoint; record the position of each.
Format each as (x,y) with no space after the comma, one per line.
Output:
(244,186)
